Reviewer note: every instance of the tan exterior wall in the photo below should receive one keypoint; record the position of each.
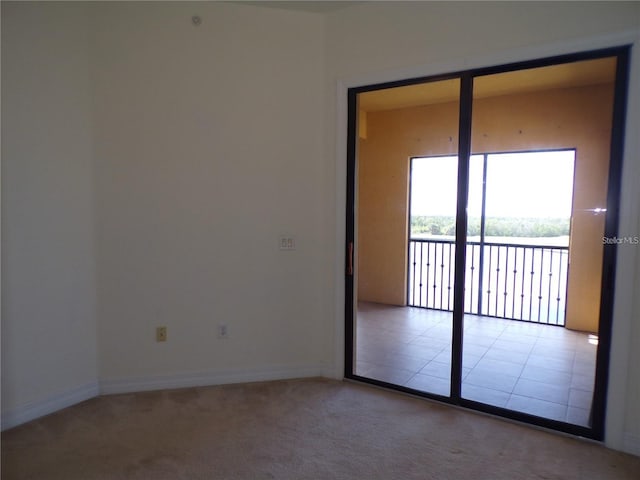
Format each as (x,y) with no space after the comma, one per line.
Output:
(577,118)
(383,192)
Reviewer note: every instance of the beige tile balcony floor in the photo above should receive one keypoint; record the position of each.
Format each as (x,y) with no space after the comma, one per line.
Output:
(542,370)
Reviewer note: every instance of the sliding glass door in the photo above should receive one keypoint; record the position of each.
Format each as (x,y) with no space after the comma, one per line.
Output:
(391,344)
(478,207)
(543,206)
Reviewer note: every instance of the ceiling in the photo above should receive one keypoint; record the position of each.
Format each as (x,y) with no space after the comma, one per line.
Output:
(567,75)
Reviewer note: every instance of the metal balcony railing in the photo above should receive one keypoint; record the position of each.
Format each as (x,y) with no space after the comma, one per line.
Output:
(504,280)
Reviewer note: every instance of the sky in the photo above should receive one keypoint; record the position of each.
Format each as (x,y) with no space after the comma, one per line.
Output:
(535,184)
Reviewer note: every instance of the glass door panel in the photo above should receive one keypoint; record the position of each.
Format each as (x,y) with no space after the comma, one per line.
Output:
(537,204)
(406,179)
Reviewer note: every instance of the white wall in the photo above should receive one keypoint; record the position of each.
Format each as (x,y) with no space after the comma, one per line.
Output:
(185,151)
(209,145)
(384,41)
(629,277)
(48,288)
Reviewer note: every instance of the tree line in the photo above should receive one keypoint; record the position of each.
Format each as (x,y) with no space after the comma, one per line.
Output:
(494,226)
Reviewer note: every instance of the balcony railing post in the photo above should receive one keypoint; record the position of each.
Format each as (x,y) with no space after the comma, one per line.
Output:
(482,232)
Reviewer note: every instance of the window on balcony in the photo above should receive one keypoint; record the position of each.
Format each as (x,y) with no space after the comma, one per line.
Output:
(519,220)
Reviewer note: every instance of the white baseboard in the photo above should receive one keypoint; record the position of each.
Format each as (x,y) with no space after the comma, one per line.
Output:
(32,410)
(185,380)
(631,444)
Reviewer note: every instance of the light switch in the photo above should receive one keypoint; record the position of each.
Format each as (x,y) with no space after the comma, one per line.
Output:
(287,242)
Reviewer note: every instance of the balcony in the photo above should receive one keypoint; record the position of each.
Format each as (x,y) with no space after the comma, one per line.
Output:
(533,368)
(529,365)
(503,280)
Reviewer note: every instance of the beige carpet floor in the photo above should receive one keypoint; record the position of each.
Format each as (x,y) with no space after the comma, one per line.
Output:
(298,429)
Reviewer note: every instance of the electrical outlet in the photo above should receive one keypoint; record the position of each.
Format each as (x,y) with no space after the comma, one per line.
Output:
(223,331)
(161,334)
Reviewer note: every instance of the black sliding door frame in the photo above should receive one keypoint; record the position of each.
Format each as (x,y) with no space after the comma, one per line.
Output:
(596,430)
